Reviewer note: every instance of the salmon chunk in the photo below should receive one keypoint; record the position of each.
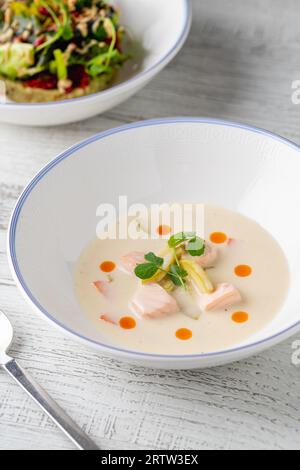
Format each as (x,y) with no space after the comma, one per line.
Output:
(129,262)
(224,296)
(108,319)
(152,301)
(209,257)
(103,287)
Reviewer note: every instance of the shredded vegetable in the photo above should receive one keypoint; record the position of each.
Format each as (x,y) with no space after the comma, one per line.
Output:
(40,38)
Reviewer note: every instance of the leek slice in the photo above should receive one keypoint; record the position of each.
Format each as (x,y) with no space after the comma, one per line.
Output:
(198,275)
(168,255)
(167,284)
(186,303)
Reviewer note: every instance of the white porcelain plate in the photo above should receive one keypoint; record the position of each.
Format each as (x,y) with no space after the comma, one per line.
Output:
(159,30)
(185,160)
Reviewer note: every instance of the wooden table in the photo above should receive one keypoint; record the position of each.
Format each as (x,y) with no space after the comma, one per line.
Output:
(238,63)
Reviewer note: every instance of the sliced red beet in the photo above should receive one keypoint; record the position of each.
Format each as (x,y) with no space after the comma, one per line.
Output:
(42,81)
(39,41)
(76,73)
(78,76)
(43,11)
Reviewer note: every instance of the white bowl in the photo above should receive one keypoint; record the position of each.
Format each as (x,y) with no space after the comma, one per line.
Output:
(159,27)
(228,164)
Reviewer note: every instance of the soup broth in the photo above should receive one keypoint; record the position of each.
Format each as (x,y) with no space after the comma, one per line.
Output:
(249,263)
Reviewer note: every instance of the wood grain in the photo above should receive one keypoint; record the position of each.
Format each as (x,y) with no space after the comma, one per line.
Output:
(238,63)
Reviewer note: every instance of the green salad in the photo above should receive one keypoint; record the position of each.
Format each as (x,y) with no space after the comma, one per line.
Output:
(58,49)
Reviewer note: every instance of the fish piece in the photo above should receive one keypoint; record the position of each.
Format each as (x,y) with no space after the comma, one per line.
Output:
(103,287)
(152,301)
(208,258)
(108,319)
(129,262)
(224,296)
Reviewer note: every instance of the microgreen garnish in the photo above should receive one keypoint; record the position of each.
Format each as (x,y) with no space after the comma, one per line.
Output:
(152,258)
(195,244)
(148,270)
(196,247)
(177,275)
(180,238)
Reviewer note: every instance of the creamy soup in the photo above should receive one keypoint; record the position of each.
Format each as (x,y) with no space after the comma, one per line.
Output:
(226,289)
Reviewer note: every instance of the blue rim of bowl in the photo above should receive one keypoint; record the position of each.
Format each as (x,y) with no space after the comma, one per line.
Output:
(182,36)
(70,152)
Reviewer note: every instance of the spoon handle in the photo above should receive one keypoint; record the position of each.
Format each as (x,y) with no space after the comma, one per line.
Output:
(60,418)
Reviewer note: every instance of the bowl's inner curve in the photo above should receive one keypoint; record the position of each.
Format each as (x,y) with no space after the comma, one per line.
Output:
(248,172)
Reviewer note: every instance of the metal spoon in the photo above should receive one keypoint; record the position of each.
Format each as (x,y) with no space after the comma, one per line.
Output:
(61,419)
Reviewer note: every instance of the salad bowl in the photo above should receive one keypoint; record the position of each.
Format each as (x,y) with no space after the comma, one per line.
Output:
(238,167)
(155,32)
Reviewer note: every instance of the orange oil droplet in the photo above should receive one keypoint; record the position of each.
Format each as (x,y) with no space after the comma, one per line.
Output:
(127,323)
(184,334)
(107,266)
(164,230)
(243,270)
(240,317)
(218,238)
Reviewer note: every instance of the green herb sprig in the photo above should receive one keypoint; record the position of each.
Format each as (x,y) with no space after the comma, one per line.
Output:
(146,271)
(195,245)
(178,275)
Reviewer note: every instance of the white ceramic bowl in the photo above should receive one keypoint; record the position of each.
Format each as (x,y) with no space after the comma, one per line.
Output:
(160,27)
(185,160)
